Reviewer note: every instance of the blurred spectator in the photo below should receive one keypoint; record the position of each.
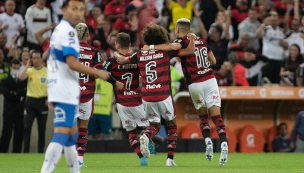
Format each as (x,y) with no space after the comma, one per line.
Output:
(239,48)
(4,68)
(300,75)
(241,12)
(146,14)
(298,129)
(210,9)
(2,7)
(110,51)
(216,44)
(115,9)
(36,99)
(273,45)
(56,10)
(93,3)
(11,22)
(249,27)
(37,17)
(13,53)
(102,32)
(281,6)
(180,9)
(14,92)
(128,24)
(44,42)
(25,56)
(3,40)
(253,64)
(220,20)
(92,18)
(281,143)
(238,70)
(224,76)
(176,63)
(290,65)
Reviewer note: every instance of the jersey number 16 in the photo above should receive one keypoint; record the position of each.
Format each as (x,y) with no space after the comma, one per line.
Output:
(201,57)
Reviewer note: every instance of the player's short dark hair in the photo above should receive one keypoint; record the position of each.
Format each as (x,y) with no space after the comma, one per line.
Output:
(154,34)
(250,49)
(36,51)
(184,25)
(282,124)
(218,29)
(123,40)
(15,61)
(66,3)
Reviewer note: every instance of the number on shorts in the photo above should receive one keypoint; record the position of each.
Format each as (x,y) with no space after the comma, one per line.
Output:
(151,74)
(128,77)
(202,57)
(84,77)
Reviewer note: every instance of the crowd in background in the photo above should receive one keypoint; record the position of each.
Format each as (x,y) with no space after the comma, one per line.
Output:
(255,42)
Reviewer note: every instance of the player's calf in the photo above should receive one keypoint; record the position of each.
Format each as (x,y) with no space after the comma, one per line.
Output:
(134,142)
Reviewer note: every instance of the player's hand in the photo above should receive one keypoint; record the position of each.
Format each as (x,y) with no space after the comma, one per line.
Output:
(119,85)
(5,26)
(267,21)
(29,63)
(51,106)
(197,13)
(145,48)
(191,36)
(19,27)
(118,57)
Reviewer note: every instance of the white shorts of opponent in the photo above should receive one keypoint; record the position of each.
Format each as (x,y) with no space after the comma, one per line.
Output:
(130,116)
(163,108)
(205,94)
(85,110)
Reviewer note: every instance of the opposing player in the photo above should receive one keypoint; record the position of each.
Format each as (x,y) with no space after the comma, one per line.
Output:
(202,85)
(129,103)
(63,86)
(89,57)
(154,69)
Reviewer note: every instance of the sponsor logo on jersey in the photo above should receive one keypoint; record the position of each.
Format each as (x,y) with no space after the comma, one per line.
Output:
(130,93)
(83,88)
(203,71)
(83,56)
(154,86)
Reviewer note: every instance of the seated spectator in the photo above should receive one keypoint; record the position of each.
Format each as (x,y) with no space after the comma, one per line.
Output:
(239,48)
(180,9)
(273,46)
(115,9)
(13,91)
(5,50)
(253,64)
(128,24)
(224,76)
(249,27)
(238,70)
(281,143)
(146,14)
(298,129)
(92,18)
(220,20)
(290,65)
(215,43)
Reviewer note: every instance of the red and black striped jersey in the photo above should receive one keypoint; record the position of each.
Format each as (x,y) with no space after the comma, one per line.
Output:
(154,66)
(89,57)
(196,68)
(128,74)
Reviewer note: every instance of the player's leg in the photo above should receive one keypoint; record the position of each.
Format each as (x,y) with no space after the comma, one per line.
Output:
(197,93)
(167,110)
(70,151)
(129,124)
(64,120)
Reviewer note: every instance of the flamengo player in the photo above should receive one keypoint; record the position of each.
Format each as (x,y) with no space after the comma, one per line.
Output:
(202,85)
(63,86)
(89,57)
(154,69)
(129,102)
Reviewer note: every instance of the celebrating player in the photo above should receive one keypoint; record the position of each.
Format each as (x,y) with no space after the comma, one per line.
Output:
(63,86)
(129,103)
(154,69)
(90,57)
(202,85)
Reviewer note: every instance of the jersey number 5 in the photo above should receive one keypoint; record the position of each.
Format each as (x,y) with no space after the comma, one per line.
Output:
(83,76)
(151,74)
(202,57)
(128,77)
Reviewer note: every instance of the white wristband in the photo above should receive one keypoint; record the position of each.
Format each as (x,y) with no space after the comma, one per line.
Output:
(151,47)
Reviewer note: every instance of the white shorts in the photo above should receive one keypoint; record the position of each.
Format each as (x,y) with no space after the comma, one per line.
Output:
(205,94)
(85,110)
(130,116)
(163,108)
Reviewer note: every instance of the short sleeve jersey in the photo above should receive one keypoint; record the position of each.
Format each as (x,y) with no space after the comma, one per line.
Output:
(196,68)
(62,84)
(154,67)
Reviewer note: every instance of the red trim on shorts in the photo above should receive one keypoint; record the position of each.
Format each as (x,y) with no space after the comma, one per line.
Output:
(92,108)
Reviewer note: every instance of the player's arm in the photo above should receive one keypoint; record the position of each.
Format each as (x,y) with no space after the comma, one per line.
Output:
(126,60)
(211,58)
(164,47)
(39,34)
(191,47)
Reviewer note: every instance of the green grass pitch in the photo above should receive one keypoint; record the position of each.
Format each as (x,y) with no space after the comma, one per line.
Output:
(187,163)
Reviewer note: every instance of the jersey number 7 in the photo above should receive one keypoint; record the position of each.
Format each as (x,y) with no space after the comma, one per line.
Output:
(201,57)
(128,77)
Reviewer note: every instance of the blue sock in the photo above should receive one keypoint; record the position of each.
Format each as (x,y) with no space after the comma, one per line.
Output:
(60,138)
(72,140)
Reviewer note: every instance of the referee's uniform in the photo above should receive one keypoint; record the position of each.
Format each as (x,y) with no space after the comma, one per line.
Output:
(35,106)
